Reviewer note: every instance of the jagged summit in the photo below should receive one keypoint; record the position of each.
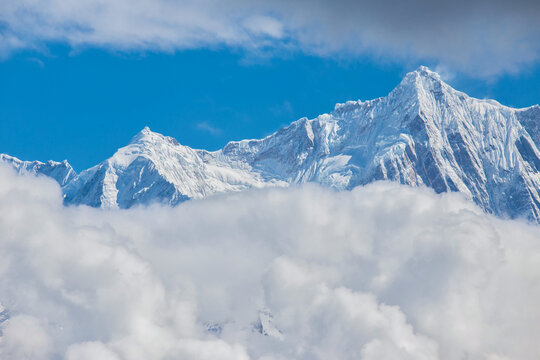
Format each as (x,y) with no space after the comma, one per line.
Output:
(424,133)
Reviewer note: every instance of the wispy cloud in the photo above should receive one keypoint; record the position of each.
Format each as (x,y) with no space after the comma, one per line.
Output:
(283,110)
(481,37)
(208,128)
(37,61)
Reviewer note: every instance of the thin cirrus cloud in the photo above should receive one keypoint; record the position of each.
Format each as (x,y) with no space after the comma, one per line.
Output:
(206,127)
(482,38)
(382,272)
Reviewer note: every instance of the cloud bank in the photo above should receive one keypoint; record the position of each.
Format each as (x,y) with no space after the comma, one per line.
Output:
(480,37)
(382,272)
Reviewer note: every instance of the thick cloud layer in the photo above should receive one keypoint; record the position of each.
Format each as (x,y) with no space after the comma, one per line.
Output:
(382,272)
(480,37)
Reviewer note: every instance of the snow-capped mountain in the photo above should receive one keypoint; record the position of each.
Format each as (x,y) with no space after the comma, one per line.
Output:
(62,172)
(153,168)
(424,133)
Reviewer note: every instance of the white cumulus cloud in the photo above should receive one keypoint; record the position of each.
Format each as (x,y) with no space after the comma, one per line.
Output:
(381,272)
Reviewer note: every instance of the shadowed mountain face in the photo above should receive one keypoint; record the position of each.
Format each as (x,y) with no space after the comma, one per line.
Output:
(424,133)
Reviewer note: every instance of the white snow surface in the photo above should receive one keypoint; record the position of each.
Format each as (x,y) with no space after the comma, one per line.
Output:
(424,133)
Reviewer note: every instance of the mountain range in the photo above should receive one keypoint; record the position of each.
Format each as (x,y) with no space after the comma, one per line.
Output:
(424,133)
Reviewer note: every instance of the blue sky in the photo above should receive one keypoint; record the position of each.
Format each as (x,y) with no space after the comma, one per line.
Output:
(80,91)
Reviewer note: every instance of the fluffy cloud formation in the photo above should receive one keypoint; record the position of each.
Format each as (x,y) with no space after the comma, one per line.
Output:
(480,37)
(382,272)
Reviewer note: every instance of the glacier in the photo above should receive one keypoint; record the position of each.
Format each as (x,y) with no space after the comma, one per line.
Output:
(424,133)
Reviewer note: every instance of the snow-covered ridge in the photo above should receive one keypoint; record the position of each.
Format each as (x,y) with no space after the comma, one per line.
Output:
(424,133)
(62,172)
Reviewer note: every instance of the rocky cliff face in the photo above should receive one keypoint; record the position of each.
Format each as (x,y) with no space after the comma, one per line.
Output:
(424,133)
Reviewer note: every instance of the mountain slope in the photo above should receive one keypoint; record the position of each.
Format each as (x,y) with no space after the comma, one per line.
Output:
(424,133)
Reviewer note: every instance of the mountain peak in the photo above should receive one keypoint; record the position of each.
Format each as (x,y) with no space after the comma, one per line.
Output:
(144,133)
(413,86)
(147,136)
(418,83)
(146,130)
(426,72)
(422,77)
